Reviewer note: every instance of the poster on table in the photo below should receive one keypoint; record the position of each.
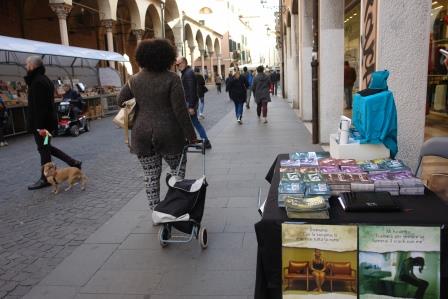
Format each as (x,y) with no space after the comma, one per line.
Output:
(399,262)
(319,261)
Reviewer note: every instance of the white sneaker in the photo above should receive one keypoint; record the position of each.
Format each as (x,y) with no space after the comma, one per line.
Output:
(5,143)
(265,120)
(2,144)
(202,116)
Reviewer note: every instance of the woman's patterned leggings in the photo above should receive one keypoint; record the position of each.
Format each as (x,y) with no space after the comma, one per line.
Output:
(152,169)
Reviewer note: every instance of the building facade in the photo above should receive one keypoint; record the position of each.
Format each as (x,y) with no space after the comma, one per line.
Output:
(113,25)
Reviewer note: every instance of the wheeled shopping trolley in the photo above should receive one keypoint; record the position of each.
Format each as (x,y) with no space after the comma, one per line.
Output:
(183,206)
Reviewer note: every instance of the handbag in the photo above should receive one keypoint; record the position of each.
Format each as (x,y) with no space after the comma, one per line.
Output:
(125,117)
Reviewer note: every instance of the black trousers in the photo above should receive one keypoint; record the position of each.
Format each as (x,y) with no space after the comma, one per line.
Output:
(46,151)
(2,131)
(419,283)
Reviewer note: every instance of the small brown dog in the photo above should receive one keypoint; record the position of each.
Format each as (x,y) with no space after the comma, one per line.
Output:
(57,176)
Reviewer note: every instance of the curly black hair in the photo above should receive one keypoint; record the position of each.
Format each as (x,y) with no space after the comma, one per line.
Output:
(156,54)
(260,69)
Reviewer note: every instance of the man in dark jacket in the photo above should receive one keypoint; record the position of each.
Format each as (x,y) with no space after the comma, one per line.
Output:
(349,81)
(75,100)
(248,79)
(190,85)
(42,117)
(275,77)
(202,89)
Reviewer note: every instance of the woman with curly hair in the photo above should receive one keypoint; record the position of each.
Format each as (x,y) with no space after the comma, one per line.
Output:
(162,125)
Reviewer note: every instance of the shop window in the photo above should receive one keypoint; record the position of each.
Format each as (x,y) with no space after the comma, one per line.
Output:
(437,71)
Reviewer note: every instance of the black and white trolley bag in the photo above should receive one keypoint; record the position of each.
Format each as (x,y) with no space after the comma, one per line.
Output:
(184,202)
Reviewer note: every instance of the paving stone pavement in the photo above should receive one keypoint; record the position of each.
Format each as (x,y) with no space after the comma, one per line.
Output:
(123,258)
(39,230)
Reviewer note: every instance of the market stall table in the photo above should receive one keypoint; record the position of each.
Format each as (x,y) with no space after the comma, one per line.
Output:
(426,210)
(78,67)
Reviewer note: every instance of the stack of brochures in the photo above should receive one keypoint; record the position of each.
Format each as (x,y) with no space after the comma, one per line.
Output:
(411,186)
(309,207)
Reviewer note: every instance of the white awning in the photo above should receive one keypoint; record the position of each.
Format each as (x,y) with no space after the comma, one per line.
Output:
(64,53)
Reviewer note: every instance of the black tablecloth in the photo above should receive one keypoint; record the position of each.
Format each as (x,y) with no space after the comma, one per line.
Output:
(424,210)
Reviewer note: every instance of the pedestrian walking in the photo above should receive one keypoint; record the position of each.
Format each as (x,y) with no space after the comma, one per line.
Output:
(237,92)
(42,118)
(275,78)
(3,121)
(249,80)
(162,125)
(202,89)
(227,83)
(349,81)
(191,97)
(218,82)
(262,96)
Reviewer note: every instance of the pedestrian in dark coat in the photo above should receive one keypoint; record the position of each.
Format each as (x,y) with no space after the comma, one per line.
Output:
(262,96)
(190,85)
(202,89)
(349,81)
(42,118)
(238,93)
(162,124)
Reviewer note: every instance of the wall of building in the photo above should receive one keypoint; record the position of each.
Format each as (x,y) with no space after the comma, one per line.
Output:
(331,66)
(403,38)
(305,55)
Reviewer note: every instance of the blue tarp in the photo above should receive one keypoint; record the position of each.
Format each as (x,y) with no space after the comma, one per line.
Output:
(375,117)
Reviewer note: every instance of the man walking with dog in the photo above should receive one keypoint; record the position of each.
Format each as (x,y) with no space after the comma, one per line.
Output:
(42,118)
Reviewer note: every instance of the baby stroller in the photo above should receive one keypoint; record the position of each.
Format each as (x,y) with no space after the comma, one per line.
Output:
(183,206)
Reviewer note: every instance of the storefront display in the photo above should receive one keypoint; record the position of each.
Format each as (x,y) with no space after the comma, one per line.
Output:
(437,72)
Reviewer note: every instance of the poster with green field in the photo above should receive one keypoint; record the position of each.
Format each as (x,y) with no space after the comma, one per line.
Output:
(399,262)
(319,261)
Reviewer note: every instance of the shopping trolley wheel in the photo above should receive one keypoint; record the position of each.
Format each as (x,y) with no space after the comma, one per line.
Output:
(164,235)
(203,237)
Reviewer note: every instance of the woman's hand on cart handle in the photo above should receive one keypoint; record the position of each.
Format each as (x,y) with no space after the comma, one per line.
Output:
(194,141)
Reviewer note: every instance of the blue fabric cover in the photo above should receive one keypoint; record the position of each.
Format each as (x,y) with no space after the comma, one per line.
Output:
(375,117)
(378,80)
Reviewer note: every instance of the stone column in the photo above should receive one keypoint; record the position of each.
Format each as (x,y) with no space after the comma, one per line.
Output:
(402,47)
(218,56)
(180,49)
(139,33)
(192,55)
(331,66)
(62,10)
(109,25)
(202,60)
(211,72)
(305,55)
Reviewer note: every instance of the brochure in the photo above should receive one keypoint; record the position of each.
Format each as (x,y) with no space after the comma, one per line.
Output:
(399,262)
(319,261)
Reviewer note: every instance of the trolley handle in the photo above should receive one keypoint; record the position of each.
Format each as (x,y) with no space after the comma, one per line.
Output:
(196,147)
(193,148)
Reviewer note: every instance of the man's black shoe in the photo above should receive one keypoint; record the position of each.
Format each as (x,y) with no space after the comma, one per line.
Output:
(207,144)
(77,164)
(39,185)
